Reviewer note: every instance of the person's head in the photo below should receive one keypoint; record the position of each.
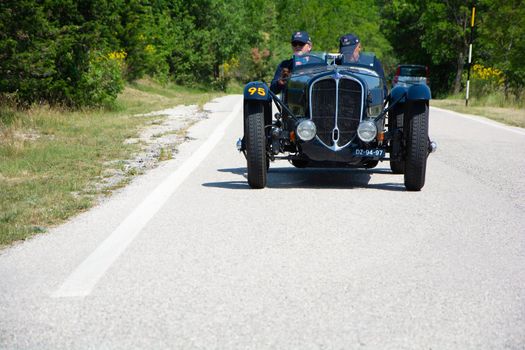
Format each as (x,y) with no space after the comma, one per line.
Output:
(301,43)
(350,46)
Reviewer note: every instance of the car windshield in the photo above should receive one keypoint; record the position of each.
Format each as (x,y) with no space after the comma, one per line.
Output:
(321,62)
(364,66)
(310,59)
(412,71)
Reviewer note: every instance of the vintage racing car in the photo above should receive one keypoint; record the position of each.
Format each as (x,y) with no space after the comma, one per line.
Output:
(334,113)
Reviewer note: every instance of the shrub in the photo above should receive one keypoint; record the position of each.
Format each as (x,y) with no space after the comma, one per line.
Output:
(227,71)
(486,81)
(257,65)
(101,82)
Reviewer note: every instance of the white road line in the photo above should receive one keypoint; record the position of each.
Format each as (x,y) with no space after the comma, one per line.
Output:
(84,278)
(482,120)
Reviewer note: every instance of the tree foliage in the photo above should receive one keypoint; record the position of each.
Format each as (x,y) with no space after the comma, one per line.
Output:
(500,40)
(437,33)
(54,51)
(78,53)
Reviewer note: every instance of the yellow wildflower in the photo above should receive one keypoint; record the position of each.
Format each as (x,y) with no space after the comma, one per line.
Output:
(149,48)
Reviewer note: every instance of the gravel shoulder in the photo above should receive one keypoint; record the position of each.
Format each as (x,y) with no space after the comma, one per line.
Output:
(159,141)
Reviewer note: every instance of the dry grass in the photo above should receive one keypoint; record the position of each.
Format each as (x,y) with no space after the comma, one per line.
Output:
(51,159)
(509,116)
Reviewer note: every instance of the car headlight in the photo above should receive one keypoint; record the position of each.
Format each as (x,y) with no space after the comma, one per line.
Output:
(367,131)
(306,130)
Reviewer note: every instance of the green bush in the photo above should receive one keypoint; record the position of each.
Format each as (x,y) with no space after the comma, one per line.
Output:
(486,81)
(100,83)
(52,53)
(82,78)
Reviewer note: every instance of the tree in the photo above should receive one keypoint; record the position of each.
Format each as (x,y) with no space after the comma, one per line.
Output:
(54,51)
(24,32)
(327,20)
(445,36)
(430,32)
(500,39)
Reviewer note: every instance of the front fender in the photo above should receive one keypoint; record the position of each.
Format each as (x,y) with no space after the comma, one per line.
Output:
(256,91)
(397,93)
(419,92)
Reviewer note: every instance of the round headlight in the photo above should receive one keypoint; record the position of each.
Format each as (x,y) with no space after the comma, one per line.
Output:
(306,130)
(367,131)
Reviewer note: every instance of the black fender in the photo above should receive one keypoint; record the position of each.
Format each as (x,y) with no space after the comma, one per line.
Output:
(257,91)
(398,94)
(419,92)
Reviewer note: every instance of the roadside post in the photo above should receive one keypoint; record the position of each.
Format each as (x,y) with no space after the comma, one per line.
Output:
(470,52)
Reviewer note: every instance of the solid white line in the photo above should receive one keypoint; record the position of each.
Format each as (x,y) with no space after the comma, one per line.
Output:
(84,278)
(485,121)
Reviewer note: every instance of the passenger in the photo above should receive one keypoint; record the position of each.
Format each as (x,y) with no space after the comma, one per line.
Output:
(301,44)
(350,48)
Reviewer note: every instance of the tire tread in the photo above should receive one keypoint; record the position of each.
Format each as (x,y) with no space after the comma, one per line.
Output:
(417,146)
(256,146)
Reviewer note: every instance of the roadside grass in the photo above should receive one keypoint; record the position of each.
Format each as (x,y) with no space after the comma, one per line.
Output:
(492,107)
(51,159)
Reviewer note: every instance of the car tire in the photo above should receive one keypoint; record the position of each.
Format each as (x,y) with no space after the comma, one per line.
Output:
(257,158)
(395,121)
(416,131)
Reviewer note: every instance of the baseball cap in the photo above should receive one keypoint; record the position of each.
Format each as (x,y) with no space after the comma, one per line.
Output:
(348,43)
(301,37)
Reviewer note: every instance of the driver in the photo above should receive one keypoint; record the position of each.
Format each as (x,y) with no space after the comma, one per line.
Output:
(350,48)
(301,44)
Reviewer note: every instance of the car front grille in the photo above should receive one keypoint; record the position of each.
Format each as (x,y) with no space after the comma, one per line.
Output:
(323,109)
(327,118)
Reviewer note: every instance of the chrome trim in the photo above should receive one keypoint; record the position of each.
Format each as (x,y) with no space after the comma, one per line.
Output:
(336,76)
(238,144)
(432,147)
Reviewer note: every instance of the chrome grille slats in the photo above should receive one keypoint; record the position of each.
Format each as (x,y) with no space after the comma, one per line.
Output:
(349,109)
(323,110)
(336,104)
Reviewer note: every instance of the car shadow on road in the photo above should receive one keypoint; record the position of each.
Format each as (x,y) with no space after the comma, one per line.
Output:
(290,177)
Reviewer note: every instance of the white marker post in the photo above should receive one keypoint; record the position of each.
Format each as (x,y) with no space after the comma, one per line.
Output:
(470,53)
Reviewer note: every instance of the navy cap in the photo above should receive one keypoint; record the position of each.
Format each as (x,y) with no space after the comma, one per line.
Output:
(301,37)
(348,43)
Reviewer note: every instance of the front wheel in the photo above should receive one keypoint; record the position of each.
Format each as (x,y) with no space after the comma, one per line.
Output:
(416,131)
(256,145)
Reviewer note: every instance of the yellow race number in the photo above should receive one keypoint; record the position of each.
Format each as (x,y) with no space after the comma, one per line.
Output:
(260,91)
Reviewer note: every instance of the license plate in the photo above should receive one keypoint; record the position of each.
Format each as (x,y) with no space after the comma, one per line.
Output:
(369,153)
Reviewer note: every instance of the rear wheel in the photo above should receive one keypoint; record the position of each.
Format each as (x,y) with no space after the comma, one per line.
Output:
(256,145)
(416,131)
(395,122)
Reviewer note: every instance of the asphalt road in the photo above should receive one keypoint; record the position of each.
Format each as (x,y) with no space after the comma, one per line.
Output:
(188,256)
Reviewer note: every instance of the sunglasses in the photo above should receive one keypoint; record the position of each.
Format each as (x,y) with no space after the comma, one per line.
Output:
(298,44)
